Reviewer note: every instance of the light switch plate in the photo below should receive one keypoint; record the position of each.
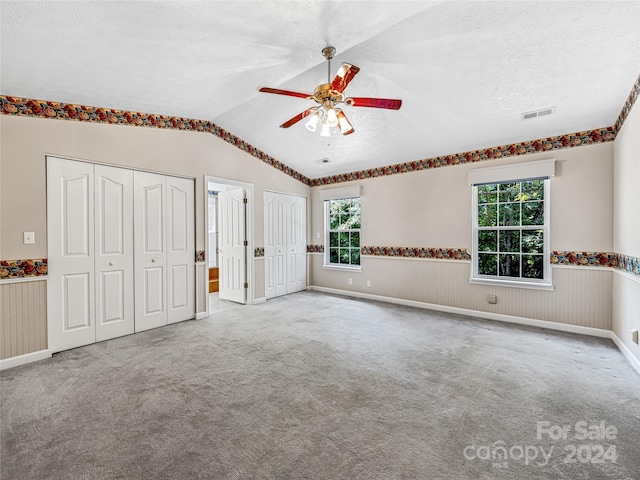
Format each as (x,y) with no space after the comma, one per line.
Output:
(29,238)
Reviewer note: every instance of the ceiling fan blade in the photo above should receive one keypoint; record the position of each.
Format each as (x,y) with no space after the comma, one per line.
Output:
(288,93)
(344,76)
(297,118)
(388,103)
(344,124)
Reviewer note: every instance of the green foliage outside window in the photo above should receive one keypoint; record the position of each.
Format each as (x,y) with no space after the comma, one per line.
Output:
(510,229)
(344,231)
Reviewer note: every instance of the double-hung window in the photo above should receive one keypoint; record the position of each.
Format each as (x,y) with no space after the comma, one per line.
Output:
(342,227)
(511,225)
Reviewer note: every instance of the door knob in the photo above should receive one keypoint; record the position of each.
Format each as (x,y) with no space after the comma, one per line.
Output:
(153,260)
(111,264)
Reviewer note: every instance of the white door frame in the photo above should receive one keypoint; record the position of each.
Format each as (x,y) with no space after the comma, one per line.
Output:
(248,190)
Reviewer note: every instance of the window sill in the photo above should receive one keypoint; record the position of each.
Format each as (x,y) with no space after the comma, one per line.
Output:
(356,268)
(512,284)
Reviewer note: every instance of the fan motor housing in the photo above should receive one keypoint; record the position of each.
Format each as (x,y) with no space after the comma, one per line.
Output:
(323,93)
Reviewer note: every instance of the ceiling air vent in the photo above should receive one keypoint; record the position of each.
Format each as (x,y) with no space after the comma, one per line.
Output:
(539,113)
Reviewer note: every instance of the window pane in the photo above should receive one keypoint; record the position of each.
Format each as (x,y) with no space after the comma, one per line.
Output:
(509,192)
(533,190)
(333,255)
(333,239)
(334,221)
(509,240)
(355,239)
(533,213)
(488,193)
(344,239)
(509,214)
(532,266)
(355,256)
(487,215)
(509,265)
(533,241)
(344,255)
(487,264)
(355,219)
(488,241)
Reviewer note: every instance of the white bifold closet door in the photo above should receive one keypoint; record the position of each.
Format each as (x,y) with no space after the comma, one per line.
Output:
(164,252)
(90,287)
(111,230)
(285,243)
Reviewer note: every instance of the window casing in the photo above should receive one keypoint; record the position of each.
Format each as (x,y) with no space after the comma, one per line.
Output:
(342,233)
(511,233)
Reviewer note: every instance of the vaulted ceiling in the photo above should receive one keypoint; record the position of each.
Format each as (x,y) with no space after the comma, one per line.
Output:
(465,71)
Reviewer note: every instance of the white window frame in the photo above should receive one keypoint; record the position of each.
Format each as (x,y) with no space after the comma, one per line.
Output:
(326,196)
(541,170)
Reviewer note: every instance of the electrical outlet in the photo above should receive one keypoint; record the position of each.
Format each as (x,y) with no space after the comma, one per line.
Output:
(634,336)
(317,234)
(492,299)
(351,281)
(368,283)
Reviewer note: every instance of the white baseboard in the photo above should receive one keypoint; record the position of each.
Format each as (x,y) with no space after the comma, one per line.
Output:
(256,301)
(201,315)
(24,359)
(563,327)
(635,362)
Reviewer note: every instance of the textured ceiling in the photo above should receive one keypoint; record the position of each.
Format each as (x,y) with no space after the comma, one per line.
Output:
(464,70)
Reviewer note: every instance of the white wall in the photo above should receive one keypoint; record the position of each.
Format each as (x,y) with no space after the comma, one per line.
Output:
(626,227)
(432,208)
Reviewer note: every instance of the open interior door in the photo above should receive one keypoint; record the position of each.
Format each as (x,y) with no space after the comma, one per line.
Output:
(232,249)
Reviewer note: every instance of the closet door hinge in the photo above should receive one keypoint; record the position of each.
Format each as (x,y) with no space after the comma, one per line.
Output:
(246,285)
(244,200)
(246,243)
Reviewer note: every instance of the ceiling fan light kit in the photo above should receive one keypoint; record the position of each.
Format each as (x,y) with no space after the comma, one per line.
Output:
(328,95)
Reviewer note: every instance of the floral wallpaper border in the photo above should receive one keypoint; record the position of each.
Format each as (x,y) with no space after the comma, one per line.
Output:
(28,107)
(587,259)
(418,252)
(627,263)
(10,269)
(589,137)
(628,105)
(618,261)
(10,105)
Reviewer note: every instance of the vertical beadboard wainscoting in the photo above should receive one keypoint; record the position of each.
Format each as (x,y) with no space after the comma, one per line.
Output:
(582,295)
(23,321)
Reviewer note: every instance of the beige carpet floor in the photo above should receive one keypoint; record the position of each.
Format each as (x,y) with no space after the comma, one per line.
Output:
(313,386)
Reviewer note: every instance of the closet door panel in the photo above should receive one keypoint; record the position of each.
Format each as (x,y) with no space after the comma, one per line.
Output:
(150,250)
(180,250)
(291,227)
(302,244)
(269,244)
(70,206)
(114,252)
(280,260)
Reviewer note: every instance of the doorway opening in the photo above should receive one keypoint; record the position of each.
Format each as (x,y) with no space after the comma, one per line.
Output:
(228,243)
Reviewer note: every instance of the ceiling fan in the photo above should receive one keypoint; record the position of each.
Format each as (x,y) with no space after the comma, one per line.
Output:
(328,95)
